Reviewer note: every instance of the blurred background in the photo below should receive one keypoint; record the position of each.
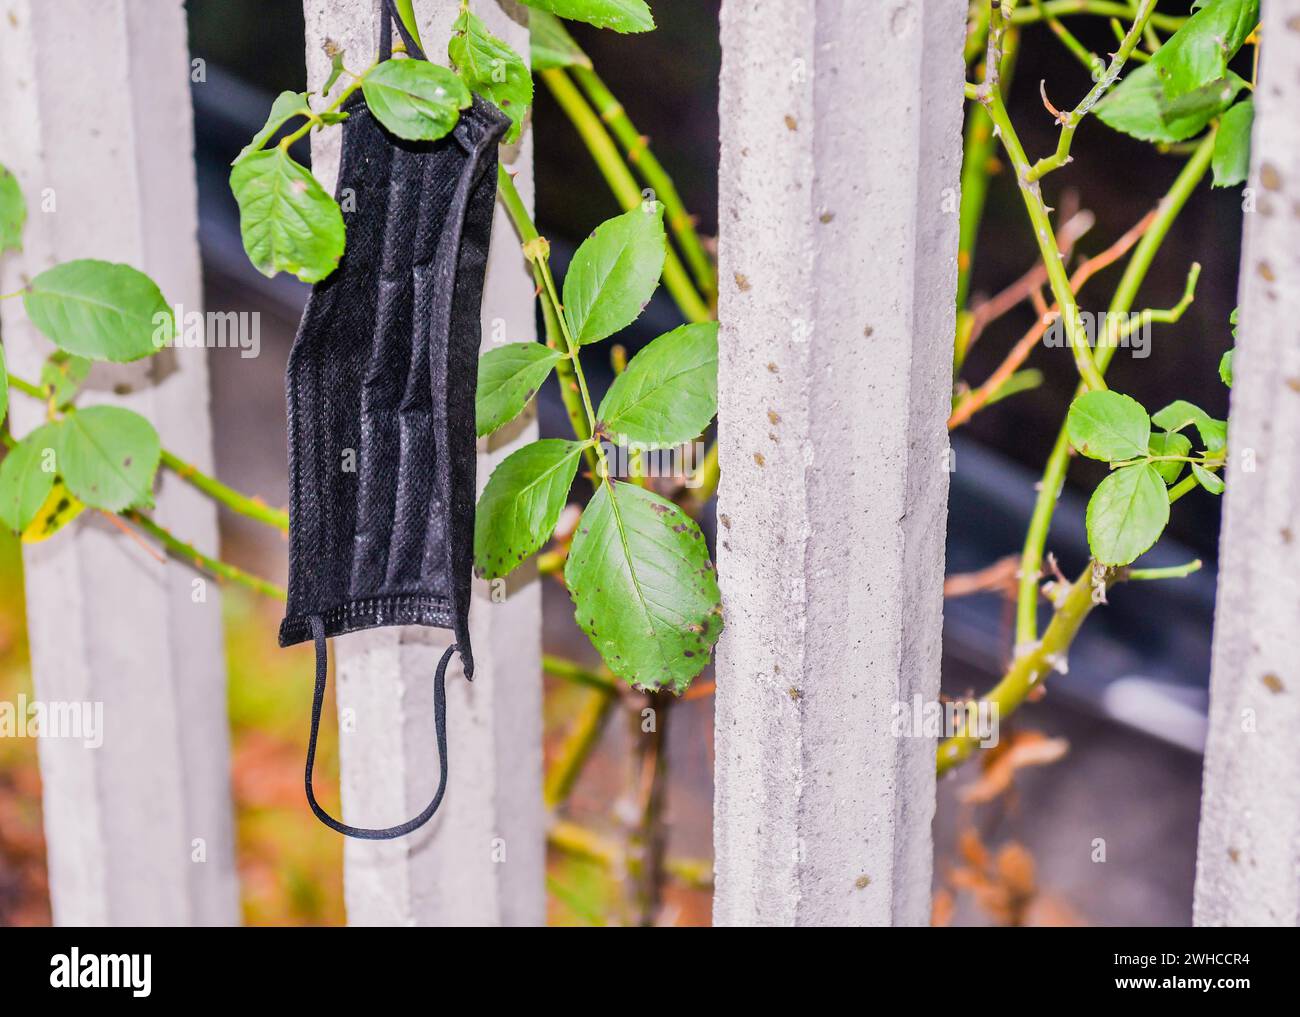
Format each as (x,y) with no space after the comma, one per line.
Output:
(1015,842)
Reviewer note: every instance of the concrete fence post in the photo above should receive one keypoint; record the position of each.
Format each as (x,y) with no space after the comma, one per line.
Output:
(96,126)
(841,151)
(481,860)
(1248,856)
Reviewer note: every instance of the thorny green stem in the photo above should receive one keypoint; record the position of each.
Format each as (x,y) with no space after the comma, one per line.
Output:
(989,94)
(637,147)
(623,184)
(1033,658)
(978,146)
(179,549)
(1033,664)
(533,242)
(242,504)
(1070,120)
(1049,489)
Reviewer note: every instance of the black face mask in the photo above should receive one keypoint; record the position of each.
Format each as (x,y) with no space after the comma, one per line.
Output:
(381,387)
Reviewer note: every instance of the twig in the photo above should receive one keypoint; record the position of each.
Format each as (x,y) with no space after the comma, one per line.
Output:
(998,577)
(981,396)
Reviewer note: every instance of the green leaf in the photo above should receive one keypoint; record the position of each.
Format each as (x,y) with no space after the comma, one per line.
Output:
(614,273)
(509,376)
(13,212)
(552,45)
(1198,53)
(4,386)
(288,222)
(643,587)
(669,392)
(287,105)
(1231,158)
(100,310)
(1108,426)
(63,374)
(1166,443)
(522,503)
(1234,319)
(415,99)
(1126,514)
(1180,413)
(620,15)
(108,457)
(1138,106)
(492,69)
(1225,368)
(1210,481)
(26,477)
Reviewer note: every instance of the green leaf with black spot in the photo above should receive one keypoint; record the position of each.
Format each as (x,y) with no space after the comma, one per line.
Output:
(13,212)
(1166,443)
(552,45)
(522,503)
(287,105)
(1108,426)
(614,273)
(1212,482)
(287,221)
(492,69)
(1126,514)
(509,376)
(1231,157)
(619,15)
(26,476)
(108,457)
(669,392)
(100,310)
(643,587)
(1180,414)
(415,99)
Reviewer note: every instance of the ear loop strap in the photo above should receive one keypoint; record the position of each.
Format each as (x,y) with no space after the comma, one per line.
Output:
(440,728)
(388,17)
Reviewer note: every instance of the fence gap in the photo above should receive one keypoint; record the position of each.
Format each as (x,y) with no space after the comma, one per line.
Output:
(841,151)
(96,125)
(1248,856)
(481,860)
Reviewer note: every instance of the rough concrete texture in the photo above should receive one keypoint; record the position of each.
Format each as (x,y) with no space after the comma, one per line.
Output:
(481,860)
(96,125)
(841,150)
(1248,862)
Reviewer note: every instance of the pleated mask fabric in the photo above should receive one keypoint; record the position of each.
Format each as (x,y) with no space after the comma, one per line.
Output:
(381,387)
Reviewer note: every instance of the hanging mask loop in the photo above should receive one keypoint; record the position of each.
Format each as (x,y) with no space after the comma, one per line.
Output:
(388,19)
(440,732)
